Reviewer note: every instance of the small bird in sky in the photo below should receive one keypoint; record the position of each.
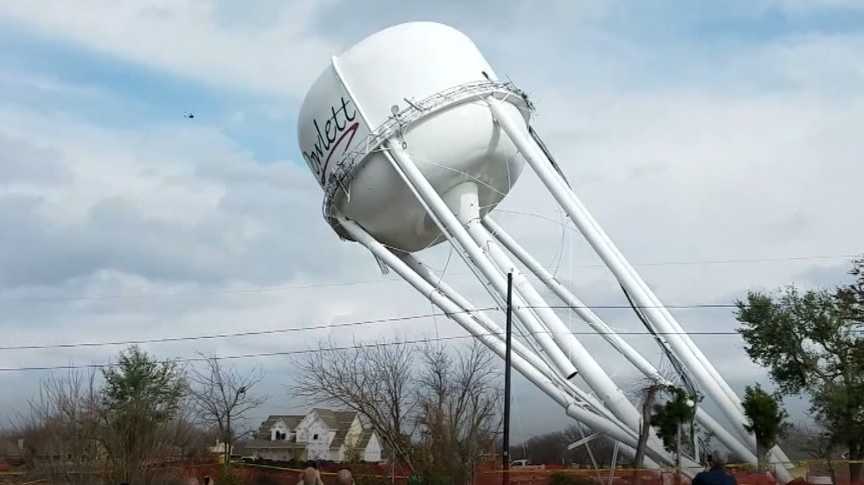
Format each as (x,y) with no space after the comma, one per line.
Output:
(190,115)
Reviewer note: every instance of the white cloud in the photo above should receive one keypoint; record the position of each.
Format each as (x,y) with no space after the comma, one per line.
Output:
(826,62)
(673,177)
(175,230)
(192,39)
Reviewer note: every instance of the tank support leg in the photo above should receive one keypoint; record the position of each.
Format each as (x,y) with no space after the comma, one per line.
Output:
(466,205)
(470,322)
(683,347)
(615,340)
(594,375)
(451,225)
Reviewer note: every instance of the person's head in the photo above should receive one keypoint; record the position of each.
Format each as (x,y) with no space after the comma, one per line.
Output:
(719,458)
(310,476)
(343,477)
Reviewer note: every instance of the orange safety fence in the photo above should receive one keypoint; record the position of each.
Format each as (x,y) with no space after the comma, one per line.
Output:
(564,476)
(253,474)
(246,474)
(259,474)
(805,472)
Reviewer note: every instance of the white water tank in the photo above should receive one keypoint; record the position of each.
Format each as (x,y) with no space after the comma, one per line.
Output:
(422,85)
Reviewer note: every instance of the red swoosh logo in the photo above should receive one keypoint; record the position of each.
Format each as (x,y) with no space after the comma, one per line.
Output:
(351,130)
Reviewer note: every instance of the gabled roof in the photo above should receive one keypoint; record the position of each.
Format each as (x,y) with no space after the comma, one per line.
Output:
(338,421)
(290,420)
(364,438)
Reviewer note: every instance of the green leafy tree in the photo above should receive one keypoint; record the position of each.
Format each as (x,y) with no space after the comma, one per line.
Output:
(140,397)
(766,419)
(813,344)
(669,418)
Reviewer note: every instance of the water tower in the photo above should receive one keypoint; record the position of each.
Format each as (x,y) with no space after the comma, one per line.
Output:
(415,140)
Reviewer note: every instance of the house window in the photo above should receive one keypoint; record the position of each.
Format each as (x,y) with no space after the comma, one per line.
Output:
(314,436)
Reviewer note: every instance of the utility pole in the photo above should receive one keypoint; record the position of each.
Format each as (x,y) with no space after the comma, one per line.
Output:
(506,451)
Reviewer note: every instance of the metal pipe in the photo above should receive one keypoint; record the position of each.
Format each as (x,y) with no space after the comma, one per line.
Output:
(439,286)
(572,407)
(449,221)
(702,369)
(576,305)
(617,342)
(525,352)
(508,352)
(466,320)
(610,255)
(594,375)
(453,311)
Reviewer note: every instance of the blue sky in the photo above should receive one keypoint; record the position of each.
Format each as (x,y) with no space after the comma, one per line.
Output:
(674,45)
(696,131)
(132,95)
(671,39)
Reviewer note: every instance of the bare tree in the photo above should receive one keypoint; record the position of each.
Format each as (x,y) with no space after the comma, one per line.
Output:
(60,430)
(459,401)
(814,442)
(375,381)
(223,398)
(80,430)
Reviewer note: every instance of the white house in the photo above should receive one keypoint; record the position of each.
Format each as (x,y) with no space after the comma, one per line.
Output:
(321,434)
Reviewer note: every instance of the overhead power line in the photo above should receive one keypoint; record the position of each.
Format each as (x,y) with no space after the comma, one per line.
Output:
(304,351)
(235,334)
(346,347)
(243,356)
(249,333)
(628,307)
(276,288)
(394,319)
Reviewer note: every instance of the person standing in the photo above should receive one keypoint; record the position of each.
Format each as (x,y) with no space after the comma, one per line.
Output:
(310,475)
(717,474)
